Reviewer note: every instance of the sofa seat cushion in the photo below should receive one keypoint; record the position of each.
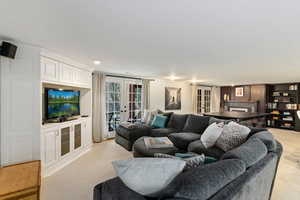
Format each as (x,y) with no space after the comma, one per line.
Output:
(177,122)
(182,140)
(115,189)
(204,181)
(198,147)
(196,124)
(132,134)
(252,151)
(267,138)
(162,132)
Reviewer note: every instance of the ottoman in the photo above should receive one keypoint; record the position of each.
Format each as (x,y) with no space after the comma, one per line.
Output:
(127,136)
(141,150)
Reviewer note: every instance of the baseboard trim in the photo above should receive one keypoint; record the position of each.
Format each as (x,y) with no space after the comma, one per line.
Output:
(63,163)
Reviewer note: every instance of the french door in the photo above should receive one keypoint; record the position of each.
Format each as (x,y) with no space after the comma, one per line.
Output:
(203,100)
(124,102)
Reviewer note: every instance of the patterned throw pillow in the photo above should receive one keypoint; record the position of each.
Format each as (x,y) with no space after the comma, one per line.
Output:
(191,162)
(233,135)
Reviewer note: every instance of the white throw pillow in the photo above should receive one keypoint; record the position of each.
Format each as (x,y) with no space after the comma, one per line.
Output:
(147,176)
(233,135)
(151,117)
(211,134)
(146,116)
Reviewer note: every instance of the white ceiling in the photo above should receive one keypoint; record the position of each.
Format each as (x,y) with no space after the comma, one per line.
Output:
(221,42)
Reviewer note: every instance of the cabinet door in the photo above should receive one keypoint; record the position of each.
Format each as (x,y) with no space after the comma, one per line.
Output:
(67,73)
(84,77)
(50,146)
(49,69)
(65,140)
(77,135)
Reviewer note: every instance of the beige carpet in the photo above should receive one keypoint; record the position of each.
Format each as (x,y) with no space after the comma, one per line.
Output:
(76,181)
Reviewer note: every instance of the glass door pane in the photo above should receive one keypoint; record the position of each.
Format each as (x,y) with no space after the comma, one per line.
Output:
(203,100)
(65,140)
(134,102)
(113,106)
(199,101)
(77,136)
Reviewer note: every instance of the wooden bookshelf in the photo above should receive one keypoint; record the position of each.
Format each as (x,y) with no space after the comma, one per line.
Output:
(283,102)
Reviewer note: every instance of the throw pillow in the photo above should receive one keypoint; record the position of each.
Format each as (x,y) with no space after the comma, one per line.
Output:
(151,117)
(159,121)
(232,136)
(147,176)
(211,134)
(167,114)
(146,116)
(209,159)
(191,162)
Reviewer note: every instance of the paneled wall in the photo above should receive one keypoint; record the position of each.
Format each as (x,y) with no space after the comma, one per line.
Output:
(251,93)
(20,110)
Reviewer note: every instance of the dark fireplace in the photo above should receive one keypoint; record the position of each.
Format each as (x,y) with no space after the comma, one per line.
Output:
(234,106)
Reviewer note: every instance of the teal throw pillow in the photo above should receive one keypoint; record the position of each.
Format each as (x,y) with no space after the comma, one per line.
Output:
(159,121)
(209,159)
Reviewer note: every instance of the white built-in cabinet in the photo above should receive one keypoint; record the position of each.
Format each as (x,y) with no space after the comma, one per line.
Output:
(57,72)
(64,142)
(49,69)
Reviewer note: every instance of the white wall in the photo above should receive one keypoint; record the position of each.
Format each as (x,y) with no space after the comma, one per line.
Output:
(20,106)
(157,95)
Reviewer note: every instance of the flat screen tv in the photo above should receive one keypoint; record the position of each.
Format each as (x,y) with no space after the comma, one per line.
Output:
(61,103)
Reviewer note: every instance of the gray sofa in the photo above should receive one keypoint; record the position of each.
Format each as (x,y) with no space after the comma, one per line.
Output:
(244,173)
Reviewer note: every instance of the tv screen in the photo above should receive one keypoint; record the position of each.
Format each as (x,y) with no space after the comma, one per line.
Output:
(62,103)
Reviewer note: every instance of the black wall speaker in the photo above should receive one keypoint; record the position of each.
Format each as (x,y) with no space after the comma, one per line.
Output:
(8,50)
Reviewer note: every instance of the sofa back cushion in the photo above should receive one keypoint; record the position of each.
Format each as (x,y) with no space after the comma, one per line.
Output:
(196,124)
(215,120)
(267,138)
(177,121)
(252,151)
(204,181)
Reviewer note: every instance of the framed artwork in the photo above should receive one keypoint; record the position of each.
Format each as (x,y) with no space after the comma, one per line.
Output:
(172,98)
(239,91)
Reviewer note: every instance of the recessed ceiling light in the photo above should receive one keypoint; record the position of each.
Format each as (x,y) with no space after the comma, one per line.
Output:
(97,62)
(173,78)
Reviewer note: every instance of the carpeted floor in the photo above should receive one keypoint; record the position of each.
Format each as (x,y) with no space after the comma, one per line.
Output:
(76,181)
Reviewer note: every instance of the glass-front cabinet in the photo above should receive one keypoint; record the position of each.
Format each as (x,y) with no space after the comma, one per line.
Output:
(71,138)
(77,136)
(65,140)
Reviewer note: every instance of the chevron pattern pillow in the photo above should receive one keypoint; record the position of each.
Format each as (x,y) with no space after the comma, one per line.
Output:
(190,163)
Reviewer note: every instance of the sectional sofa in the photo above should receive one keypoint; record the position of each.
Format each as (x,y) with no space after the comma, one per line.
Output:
(246,172)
